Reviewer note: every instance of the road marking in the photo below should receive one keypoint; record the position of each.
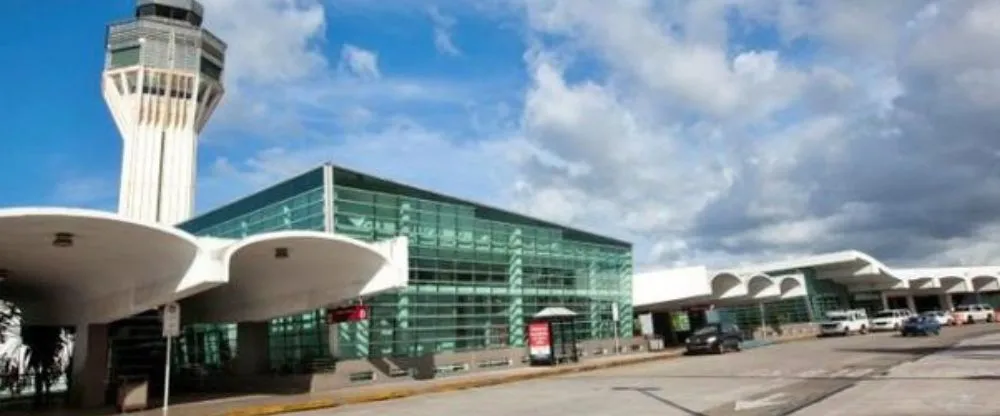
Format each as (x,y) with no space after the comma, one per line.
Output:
(763,372)
(850,373)
(768,401)
(816,372)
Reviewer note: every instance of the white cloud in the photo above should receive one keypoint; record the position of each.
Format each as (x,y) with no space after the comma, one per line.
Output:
(442,32)
(360,62)
(864,125)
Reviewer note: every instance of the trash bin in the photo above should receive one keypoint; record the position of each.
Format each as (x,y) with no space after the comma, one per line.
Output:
(133,394)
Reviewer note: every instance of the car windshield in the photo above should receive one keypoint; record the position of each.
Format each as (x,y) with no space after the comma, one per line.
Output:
(706,330)
(963,308)
(915,319)
(885,314)
(933,313)
(837,318)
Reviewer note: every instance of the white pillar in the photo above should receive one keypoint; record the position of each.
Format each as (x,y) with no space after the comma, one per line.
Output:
(89,374)
(885,300)
(911,304)
(946,303)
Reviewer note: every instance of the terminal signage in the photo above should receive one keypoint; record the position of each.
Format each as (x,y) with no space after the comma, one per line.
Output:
(539,341)
(171,320)
(347,314)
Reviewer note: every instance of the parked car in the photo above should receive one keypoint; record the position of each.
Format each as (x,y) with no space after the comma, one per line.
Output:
(890,319)
(970,314)
(844,322)
(715,338)
(920,325)
(942,318)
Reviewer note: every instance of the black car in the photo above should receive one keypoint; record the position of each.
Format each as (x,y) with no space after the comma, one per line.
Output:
(715,338)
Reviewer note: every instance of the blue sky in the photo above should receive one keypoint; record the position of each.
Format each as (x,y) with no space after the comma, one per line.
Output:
(706,131)
(70,156)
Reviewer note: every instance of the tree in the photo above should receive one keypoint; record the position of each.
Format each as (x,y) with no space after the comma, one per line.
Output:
(38,352)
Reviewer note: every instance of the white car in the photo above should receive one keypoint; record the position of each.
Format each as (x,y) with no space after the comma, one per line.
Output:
(844,322)
(890,319)
(942,318)
(970,314)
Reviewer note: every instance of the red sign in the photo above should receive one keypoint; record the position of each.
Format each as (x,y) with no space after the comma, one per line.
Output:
(347,314)
(539,339)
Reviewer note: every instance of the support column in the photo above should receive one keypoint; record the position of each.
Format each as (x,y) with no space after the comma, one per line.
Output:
(405,342)
(911,304)
(626,322)
(946,303)
(808,279)
(89,374)
(252,348)
(594,311)
(885,300)
(515,269)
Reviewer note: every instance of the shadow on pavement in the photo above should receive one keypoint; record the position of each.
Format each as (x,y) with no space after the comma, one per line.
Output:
(649,392)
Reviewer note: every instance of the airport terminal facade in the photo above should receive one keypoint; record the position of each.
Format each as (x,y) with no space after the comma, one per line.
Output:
(477,274)
(796,292)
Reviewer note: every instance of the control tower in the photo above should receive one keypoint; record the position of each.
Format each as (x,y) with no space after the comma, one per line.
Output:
(162,80)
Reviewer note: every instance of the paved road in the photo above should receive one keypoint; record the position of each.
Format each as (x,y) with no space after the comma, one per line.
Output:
(824,377)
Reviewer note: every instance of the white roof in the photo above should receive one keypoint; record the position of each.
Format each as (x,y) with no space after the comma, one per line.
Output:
(117,267)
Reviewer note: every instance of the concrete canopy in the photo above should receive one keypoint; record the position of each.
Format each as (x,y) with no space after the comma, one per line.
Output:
(114,267)
(695,286)
(108,268)
(859,272)
(318,269)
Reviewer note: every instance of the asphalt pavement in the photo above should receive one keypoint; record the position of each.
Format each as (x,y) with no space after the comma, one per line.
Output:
(875,374)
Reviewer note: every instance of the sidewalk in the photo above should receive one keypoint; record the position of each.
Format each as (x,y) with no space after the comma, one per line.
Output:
(258,405)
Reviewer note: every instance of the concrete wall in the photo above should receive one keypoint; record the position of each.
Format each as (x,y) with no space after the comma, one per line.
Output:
(362,372)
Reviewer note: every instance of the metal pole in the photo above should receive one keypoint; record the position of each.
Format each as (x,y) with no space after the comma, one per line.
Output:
(166,379)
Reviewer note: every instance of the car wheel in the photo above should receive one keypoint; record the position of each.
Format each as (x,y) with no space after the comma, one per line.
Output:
(719,349)
(969,320)
(864,330)
(989,318)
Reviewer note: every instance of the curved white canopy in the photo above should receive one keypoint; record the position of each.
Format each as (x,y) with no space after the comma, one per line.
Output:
(320,269)
(114,268)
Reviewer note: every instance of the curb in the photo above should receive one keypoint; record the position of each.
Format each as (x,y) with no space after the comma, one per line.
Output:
(392,394)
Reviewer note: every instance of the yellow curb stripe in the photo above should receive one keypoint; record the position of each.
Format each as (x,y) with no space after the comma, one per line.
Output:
(392,394)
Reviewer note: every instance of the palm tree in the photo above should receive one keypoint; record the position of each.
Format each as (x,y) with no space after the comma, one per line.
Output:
(13,352)
(25,351)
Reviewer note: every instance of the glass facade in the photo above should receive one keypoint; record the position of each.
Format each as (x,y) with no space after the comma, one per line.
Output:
(477,274)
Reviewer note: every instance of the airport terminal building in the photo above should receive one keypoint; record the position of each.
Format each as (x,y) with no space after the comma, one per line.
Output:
(769,298)
(439,285)
(477,274)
